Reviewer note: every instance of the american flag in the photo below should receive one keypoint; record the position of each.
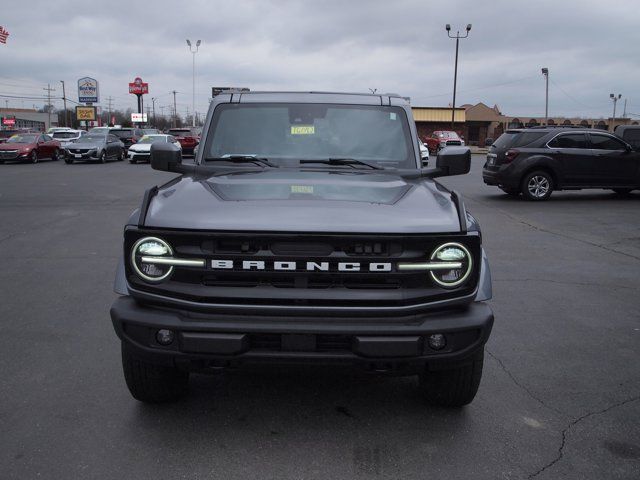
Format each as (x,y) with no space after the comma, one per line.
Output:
(3,35)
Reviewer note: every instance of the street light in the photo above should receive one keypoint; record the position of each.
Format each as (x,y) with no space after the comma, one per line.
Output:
(545,72)
(193,116)
(615,100)
(457,36)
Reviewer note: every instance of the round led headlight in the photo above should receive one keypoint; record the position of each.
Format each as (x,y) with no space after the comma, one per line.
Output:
(143,254)
(461,264)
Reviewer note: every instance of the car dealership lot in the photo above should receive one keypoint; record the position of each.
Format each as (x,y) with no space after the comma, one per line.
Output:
(559,397)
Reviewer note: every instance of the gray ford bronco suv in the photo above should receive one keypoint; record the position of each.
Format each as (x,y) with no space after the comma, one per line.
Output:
(306,231)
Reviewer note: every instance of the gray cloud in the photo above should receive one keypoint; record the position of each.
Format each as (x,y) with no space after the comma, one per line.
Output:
(590,47)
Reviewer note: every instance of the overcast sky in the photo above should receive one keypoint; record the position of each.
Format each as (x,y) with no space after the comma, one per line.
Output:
(592,49)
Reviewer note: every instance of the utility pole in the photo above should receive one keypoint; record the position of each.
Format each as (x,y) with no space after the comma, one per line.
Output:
(49,90)
(175,112)
(624,110)
(615,99)
(64,99)
(109,101)
(545,72)
(457,36)
(153,103)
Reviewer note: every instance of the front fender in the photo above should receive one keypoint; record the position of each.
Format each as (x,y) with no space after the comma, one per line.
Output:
(485,290)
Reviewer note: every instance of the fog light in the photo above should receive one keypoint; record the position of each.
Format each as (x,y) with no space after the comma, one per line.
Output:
(437,341)
(164,337)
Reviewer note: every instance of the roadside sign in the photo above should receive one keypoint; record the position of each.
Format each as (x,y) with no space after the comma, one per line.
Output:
(88,90)
(86,113)
(139,117)
(138,87)
(9,121)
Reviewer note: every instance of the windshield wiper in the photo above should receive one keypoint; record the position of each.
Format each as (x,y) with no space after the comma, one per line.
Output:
(352,162)
(242,159)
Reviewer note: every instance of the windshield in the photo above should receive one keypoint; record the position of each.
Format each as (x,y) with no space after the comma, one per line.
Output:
(150,131)
(99,130)
(152,139)
(91,138)
(179,132)
(292,132)
(22,139)
(122,133)
(64,134)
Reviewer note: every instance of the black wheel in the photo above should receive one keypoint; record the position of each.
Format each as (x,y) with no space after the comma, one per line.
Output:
(623,191)
(68,160)
(514,192)
(121,156)
(454,387)
(102,158)
(56,156)
(537,185)
(151,383)
(34,156)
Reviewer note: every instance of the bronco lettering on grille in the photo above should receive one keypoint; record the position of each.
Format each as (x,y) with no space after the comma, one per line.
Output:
(301,266)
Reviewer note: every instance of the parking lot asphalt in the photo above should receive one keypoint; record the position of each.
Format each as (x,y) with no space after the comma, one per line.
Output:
(560,396)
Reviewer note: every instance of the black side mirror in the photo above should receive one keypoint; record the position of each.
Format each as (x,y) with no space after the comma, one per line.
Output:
(165,157)
(452,161)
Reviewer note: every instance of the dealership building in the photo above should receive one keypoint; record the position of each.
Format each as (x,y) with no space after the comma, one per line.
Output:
(26,118)
(476,123)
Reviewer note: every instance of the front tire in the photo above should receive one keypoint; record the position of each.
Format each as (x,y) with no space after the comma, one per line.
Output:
(34,156)
(121,156)
(453,387)
(102,158)
(56,156)
(537,186)
(151,383)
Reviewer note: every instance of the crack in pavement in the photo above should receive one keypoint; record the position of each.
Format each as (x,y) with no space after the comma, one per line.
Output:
(551,232)
(523,387)
(560,455)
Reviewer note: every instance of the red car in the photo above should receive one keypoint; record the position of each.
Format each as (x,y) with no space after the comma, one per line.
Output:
(187,137)
(29,147)
(442,138)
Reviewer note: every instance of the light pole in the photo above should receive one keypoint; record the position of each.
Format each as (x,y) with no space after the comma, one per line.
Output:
(193,116)
(545,72)
(455,72)
(615,99)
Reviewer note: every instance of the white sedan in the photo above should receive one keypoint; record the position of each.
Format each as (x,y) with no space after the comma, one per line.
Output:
(141,150)
(424,153)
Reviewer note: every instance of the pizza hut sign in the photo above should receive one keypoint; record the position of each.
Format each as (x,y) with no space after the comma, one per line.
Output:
(138,87)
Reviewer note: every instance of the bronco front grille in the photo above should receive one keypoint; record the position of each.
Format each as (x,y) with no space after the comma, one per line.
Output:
(299,287)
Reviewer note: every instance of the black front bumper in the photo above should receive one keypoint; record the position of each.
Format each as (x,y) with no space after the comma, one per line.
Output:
(206,341)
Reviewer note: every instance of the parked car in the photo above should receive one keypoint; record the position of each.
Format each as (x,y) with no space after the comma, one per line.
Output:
(352,255)
(57,129)
(98,147)
(151,131)
(67,137)
(128,136)
(424,153)
(140,152)
(536,161)
(441,138)
(629,134)
(187,137)
(29,147)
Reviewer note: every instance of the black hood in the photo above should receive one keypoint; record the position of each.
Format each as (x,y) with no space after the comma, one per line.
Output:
(291,200)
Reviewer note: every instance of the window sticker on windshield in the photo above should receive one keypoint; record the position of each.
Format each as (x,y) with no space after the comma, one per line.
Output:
(301,188)
(303,130)
(392,116)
